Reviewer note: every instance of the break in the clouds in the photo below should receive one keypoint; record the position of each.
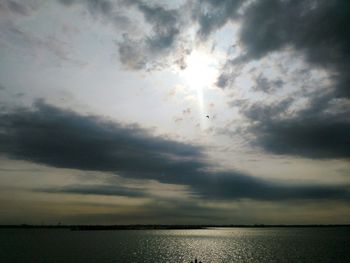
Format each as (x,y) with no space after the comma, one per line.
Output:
(64,139)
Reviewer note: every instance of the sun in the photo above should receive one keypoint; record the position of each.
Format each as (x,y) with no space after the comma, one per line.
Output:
(200,71)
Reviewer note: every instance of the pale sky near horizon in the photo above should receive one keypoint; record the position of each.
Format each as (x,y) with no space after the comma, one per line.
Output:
(103,109)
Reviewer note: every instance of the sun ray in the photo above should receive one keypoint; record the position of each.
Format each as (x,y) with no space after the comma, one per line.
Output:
(199,74)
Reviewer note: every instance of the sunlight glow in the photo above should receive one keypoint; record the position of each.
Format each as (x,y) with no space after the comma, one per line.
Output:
(200,73)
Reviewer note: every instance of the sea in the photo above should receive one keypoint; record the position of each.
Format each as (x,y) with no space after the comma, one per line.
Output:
(283,244)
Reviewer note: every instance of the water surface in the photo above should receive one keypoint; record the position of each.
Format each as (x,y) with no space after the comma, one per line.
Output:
(208,245)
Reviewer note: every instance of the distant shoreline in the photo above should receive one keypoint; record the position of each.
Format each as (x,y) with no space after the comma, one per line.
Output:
(157,227)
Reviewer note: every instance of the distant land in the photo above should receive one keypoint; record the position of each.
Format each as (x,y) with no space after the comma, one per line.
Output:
(154,227)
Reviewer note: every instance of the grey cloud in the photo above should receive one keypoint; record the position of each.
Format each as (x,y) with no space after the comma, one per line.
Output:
(312,133)
(313,138)
(222,81)
(101,6)
(19,94)
(230,71)
(64,139)
(151,50)
(67,2)
(236,186)
(55,137)
(94,6)
(163,21)
(113,190)
(33,45)
(108,11)
(212,14)
(131,53)
(262,112)
(139,50)
(316,28)
(17,8)
(267,86)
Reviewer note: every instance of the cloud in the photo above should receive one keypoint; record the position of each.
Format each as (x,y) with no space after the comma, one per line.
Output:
(108,11)
(267,86)
(30,44)
(262,112)
(103,7)
(18,8)
(212,15)
(64,139)
(98,190)
(313,138)
(236,185)
(315,28)
(55,137)
(151,50)
(222,81)
(142,49)
(313,132)
(313,32)
(131,53)
(164,22)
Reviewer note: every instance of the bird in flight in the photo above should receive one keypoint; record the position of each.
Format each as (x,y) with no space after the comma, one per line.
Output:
(207,116)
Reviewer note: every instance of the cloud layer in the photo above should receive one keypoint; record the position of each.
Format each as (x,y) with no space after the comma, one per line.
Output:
(312,133)
(64,139)
(279,109)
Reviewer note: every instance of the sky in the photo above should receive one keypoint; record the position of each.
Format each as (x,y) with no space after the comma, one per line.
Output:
(174,112)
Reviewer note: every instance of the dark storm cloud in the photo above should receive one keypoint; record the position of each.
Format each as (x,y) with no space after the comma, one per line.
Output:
(313,132)
(316,28)
(315,138)
(64,139)
(61,138)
